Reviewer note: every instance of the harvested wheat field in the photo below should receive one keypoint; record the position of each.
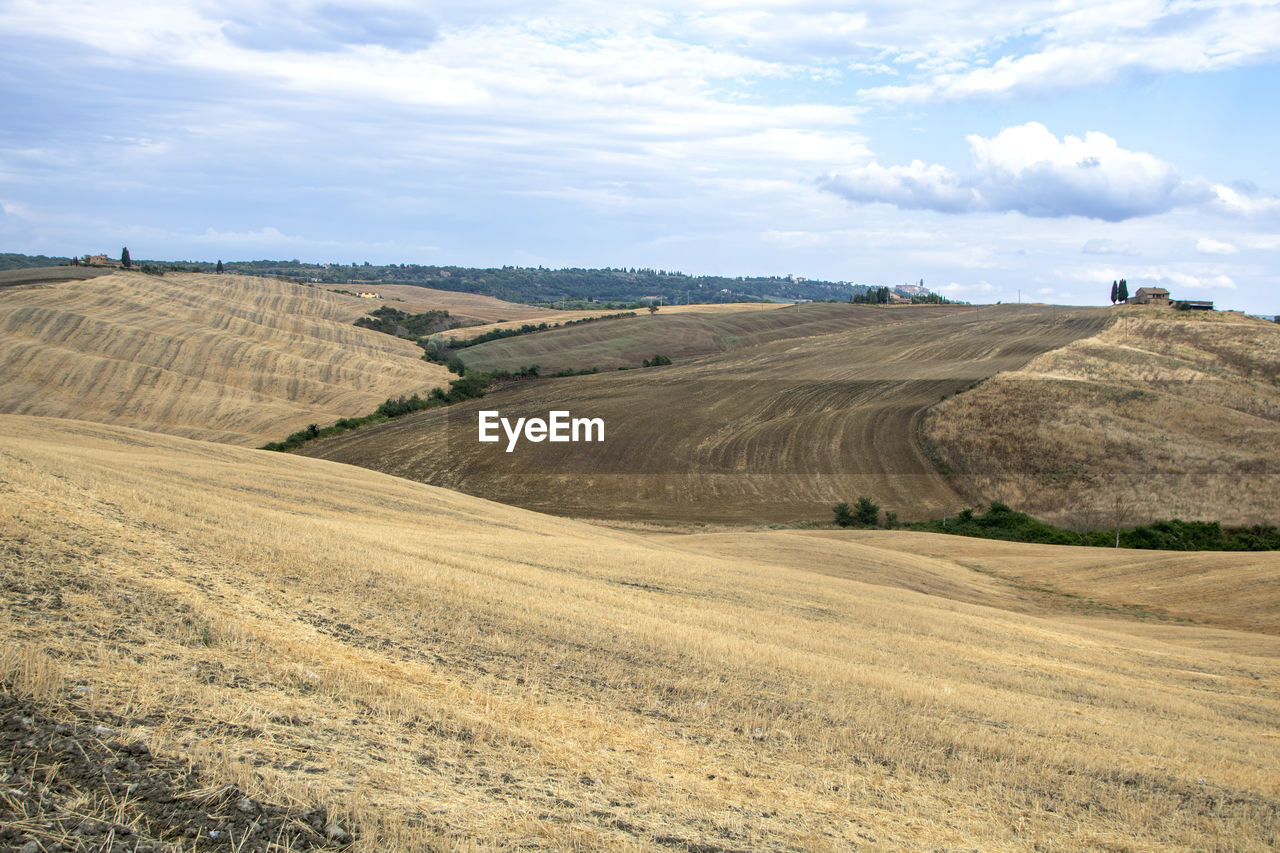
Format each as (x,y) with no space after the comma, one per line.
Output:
(552,317)
(224,358)
(768,431)
(1165,414)
(471,307)
(344,653)
(681,335)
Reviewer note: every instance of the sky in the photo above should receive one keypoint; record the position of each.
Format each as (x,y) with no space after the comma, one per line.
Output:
(1034,151)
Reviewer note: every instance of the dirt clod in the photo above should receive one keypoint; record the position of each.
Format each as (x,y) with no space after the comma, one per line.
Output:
(63,789)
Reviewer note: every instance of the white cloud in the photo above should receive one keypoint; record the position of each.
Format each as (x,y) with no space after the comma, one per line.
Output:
(913,187)
(268,236)
(980,288)
(1029,170)
(1177,278)
(1091,43)
(1265,242)
(1205,246)
(1236,203)
(1102,246)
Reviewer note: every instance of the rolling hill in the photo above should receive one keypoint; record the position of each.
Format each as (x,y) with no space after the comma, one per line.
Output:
(427,670)
(1165,414)
(224,358)
(763,432)
(682,334)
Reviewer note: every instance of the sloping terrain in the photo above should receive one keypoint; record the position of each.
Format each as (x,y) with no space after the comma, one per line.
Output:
(1226,590)
(774,432)
(629,341)
(436,670)
(472,306)
(553,317)
(45,275)
(1165,414)
(224,358)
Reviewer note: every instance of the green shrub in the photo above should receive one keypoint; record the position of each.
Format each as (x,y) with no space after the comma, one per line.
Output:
(868,512)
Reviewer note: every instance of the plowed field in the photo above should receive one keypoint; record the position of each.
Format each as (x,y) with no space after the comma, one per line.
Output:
(769,432)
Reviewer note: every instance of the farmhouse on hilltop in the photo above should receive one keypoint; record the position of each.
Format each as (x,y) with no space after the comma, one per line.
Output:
(1160,296)
(1150,296)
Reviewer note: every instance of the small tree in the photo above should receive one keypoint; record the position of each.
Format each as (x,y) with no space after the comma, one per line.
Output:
(844,515)
(1124,291)
(124,258)
(867,513)
(219,267)
(653,308)
(1115,292)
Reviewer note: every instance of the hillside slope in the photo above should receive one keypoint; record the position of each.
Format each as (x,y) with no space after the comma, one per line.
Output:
(774,432)
(1165,414)
(679,334)
(437,669)
(225,358)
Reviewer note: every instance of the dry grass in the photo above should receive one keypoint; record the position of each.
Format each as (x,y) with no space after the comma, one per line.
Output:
(765,432)
(224,358)
(454,674)
(498,313)
(1165,414)
(473,306)
(553,317)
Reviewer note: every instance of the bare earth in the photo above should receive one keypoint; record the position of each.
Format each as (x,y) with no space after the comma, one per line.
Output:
(766,432)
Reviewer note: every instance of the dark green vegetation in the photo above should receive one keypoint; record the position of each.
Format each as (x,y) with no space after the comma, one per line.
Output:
(393,321)
(563,288)
(867,513)
(1002,522)
(468,387)
(15,261)
(625,287)
(419,328)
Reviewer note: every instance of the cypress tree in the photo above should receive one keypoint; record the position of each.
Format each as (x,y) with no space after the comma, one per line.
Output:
(1124,290)
(1115,292)
(124,258)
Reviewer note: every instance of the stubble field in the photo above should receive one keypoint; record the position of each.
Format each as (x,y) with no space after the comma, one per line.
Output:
(1165,414)
(443,672)
(222,358)
(764,432)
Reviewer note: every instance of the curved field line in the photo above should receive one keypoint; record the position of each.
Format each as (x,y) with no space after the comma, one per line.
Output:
(778,432)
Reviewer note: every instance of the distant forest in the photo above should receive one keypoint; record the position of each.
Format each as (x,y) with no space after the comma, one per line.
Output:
(13,261)
(623,287)
(541,285)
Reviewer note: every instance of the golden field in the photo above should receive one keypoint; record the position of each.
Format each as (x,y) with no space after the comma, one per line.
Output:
(1165,414)
(203,645)
(223,358)
(447,673)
